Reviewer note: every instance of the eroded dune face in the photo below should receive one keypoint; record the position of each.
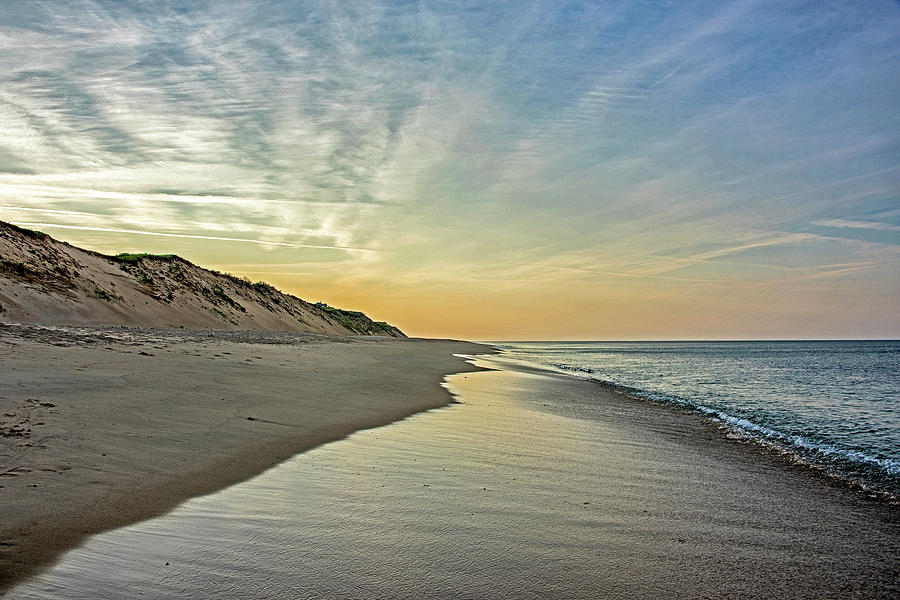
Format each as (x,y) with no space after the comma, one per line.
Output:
(47,281)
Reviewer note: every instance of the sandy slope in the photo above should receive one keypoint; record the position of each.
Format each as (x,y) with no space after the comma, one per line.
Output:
(50,282)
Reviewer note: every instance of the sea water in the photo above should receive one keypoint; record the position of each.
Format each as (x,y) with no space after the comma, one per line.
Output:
(831,404)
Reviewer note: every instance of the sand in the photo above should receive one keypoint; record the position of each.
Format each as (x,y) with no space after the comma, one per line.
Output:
(103,427)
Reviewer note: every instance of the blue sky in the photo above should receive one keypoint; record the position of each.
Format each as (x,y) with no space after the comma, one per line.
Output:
(480,169)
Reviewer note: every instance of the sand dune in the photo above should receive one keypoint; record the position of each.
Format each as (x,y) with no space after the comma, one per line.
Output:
(43,280)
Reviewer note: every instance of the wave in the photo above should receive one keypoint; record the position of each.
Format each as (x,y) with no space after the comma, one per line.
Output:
(853,466)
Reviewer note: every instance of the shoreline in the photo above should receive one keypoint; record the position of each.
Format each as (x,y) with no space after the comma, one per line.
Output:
(761,524)
(657,483)
(534,485)
(864,470)
(730,432)
(103,427)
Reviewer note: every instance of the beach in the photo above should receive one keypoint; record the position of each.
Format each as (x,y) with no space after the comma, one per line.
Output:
(452,300)
(533,484)
(106,426)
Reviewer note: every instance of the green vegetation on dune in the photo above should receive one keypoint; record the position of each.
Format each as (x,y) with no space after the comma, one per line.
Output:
(223,316)
(16,268)
(357,322)
(109,296)
(220,294)
(133,257)
(38,235)
(259,286)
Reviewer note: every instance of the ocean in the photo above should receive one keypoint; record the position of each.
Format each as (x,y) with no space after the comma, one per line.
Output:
(834,405)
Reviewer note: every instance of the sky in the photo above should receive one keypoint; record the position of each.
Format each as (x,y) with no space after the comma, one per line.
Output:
(477,169)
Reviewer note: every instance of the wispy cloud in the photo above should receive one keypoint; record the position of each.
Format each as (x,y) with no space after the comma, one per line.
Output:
(194,237)
(846,223)
(483,144)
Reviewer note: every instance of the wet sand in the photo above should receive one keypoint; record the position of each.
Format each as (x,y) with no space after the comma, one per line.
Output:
(101,427)
(675,508)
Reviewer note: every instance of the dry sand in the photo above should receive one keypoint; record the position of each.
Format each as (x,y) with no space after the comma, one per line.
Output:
(103,427)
